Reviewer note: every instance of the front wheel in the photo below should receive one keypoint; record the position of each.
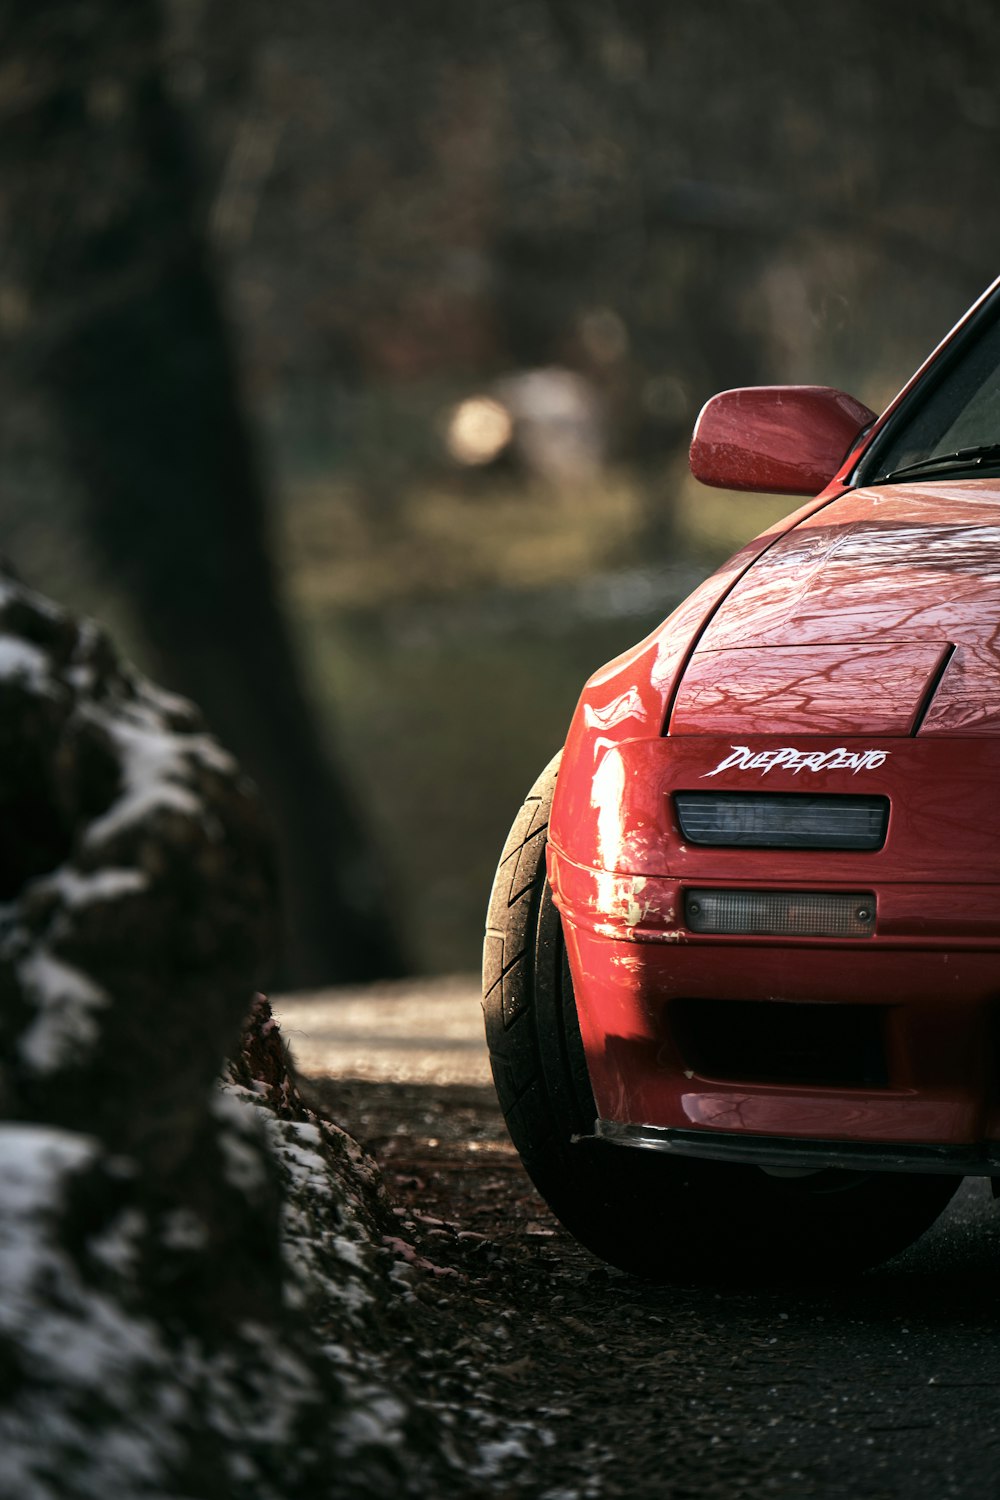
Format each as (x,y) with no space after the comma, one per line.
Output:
(644,1212)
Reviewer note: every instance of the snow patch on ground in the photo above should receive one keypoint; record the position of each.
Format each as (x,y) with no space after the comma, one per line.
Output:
(239,1141)
(77,890)
(71,1339)
(115,1398)
(327,1239)
(20,659)
(156,762)
(153,771)
(65,999)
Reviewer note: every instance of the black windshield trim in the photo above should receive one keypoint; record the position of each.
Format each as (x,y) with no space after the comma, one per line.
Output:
(866,472)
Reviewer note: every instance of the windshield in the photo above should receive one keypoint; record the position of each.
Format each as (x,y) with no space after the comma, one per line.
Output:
(960,411)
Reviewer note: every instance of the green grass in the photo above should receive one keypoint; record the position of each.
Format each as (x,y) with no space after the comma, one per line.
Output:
(342,546)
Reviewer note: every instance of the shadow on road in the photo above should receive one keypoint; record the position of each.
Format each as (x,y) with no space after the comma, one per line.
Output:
(884,1386)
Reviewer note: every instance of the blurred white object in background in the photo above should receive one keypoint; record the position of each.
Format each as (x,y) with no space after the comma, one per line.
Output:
(551,419)
(559,428)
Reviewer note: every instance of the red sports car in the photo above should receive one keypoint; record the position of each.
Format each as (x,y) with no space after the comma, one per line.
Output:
(742,965)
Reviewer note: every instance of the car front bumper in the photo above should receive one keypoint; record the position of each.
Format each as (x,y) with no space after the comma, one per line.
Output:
(928,979)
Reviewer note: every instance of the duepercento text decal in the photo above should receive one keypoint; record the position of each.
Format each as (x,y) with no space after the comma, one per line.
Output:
(790,759)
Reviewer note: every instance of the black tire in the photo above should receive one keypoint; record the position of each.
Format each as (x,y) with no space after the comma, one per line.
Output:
(653,1215)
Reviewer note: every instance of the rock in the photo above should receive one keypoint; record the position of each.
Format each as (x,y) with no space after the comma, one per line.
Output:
(193,1300)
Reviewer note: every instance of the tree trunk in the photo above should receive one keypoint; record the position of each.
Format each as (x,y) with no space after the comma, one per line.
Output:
(105,235)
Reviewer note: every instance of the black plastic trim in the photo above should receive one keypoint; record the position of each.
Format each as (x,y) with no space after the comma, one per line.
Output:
(784,1151)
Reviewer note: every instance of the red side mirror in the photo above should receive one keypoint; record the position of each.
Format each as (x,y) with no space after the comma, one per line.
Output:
(783,439)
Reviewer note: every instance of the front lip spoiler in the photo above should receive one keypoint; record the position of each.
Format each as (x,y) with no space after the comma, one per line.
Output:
(784,1151)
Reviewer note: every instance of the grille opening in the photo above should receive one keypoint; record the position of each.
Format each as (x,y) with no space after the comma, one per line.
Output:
(767,1041)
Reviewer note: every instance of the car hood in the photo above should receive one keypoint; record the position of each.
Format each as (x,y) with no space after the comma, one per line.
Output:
(877,615)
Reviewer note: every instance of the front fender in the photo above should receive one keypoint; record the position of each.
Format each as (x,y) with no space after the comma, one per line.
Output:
(631,698)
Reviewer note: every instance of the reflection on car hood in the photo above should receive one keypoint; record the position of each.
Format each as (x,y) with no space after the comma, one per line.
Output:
(878,614)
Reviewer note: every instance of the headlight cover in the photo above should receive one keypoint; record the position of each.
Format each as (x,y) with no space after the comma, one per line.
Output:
(775,820)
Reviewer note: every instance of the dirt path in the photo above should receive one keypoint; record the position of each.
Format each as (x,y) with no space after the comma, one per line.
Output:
(599,1385)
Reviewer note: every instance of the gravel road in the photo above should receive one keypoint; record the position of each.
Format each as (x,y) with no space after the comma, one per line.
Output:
(593,1384)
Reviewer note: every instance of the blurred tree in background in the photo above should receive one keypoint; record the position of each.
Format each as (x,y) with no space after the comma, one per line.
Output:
(106,251)
(484,261)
